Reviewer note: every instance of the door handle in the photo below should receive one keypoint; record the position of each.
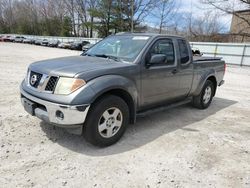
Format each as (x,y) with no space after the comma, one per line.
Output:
(174,71)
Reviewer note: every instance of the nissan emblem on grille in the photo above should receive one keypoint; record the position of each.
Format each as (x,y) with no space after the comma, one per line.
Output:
(33,79)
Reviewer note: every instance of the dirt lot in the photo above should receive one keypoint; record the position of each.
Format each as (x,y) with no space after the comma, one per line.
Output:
(180,147)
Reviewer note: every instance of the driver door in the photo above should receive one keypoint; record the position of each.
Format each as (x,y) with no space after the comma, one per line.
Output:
(160,81)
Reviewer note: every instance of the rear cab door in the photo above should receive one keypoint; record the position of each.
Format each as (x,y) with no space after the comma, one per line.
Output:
(185,70)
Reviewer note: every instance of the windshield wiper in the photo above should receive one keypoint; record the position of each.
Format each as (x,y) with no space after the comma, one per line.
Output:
(105,56)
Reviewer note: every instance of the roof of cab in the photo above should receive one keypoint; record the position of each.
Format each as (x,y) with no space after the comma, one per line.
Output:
(148,34)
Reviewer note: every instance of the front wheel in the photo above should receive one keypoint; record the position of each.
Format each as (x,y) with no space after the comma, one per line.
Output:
(204,99)
(106,121)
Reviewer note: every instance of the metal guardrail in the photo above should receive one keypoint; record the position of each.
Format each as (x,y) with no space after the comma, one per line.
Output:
(232,53)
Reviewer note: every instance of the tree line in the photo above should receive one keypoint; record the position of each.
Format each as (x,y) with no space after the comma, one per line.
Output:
(73,17)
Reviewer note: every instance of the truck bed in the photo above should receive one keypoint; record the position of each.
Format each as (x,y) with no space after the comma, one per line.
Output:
(204,58)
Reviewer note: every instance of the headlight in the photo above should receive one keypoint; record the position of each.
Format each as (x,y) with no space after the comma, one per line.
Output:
(66,86)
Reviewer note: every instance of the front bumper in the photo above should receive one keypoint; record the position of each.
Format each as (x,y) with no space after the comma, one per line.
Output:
(67,116)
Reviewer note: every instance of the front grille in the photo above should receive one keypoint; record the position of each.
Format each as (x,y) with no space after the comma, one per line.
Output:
(51,83)
(35,79)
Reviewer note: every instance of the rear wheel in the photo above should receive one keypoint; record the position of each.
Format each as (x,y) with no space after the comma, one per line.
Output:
(107,121)
(204,99)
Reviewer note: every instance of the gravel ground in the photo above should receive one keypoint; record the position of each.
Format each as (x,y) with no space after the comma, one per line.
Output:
(180,147)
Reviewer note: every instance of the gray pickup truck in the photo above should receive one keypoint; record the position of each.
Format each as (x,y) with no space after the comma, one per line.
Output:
(98,93)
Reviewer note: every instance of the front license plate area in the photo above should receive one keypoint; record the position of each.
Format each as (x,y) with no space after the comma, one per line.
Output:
(29,106)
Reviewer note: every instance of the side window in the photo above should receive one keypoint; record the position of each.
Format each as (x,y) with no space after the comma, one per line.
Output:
(166,47)
(183,51)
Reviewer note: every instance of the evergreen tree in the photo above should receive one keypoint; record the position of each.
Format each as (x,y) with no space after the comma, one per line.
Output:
(66,27)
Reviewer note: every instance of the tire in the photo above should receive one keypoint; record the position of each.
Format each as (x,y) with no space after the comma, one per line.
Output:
(204,99)
(107,121)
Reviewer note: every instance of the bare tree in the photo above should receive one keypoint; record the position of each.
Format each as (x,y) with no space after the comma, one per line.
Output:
(7,14)
(141,9)
(92,5)
(2,21)
(70,7)
(164,12)
(230,8)
(203,28)
(84,8)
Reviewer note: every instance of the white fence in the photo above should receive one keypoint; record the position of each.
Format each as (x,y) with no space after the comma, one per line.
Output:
(232,53)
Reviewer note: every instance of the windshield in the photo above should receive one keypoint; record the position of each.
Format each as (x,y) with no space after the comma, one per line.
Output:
(124,48)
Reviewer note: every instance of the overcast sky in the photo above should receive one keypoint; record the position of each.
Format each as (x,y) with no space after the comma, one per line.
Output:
(199,9)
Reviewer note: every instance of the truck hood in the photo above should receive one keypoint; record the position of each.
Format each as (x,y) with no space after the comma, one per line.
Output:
(71,66)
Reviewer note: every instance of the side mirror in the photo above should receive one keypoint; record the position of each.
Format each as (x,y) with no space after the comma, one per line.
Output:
(157,58)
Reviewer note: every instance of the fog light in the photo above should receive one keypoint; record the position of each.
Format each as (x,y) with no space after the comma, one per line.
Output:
(59,115)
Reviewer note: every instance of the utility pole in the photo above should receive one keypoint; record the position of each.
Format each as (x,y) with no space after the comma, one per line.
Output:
(132,15)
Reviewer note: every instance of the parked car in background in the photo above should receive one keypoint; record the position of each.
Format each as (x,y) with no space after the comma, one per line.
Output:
(8,38)
(65,45)
(87,46)
(68,45)
(53,43)
(27,41)
(38,42)
(78,45)
(32,41)
(1,38)
(61,45)
(45,42)
(12,39)
(19,39)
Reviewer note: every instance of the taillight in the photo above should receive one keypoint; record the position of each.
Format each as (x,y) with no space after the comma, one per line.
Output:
(225,67)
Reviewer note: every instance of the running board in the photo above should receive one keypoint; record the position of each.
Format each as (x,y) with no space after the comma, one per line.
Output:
(163,108)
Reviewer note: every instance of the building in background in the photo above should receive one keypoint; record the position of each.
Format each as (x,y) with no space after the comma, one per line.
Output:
(240,27)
